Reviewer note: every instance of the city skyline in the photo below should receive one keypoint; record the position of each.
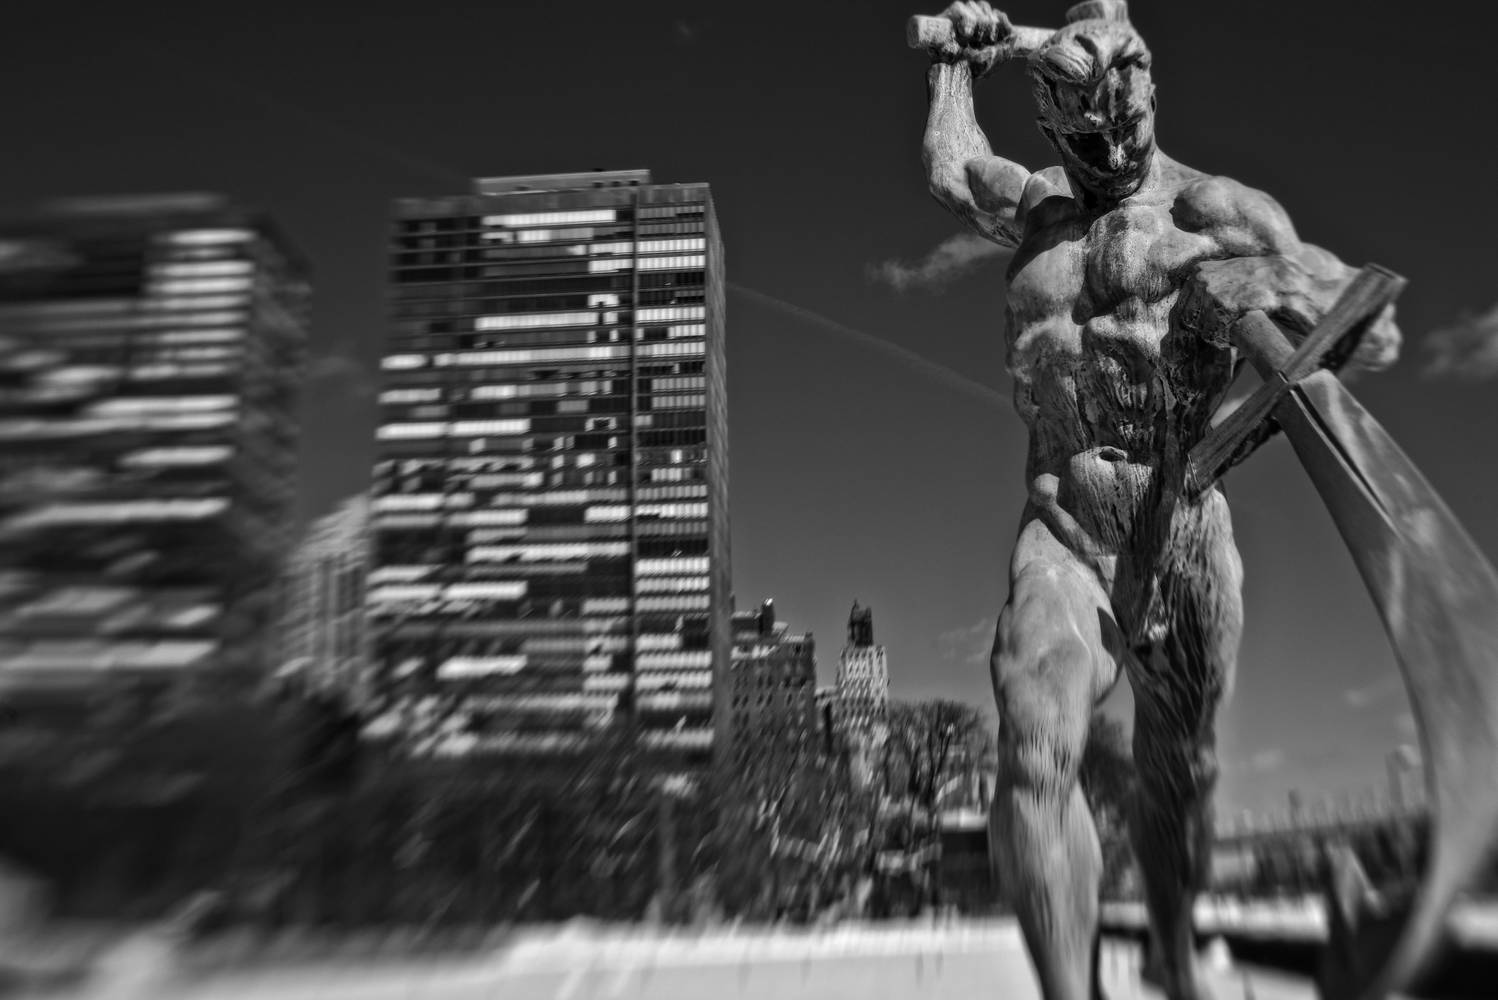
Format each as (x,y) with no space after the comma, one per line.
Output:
(906,479)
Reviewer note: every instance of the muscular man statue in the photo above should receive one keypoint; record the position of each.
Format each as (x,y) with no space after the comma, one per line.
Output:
(1129,272)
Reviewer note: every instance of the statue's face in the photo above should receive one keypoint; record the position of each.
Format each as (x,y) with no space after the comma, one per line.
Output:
(1096,99)
(1108,151)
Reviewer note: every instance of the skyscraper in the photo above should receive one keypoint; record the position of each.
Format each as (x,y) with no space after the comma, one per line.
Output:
(862,676)
(549,507)
(324,644)
(151,351)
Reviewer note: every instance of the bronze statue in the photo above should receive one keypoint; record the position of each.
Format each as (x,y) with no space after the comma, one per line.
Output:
(1137,288)
(1129,273)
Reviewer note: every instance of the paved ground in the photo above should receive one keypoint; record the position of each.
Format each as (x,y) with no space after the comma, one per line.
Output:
(911,962)
(581,961)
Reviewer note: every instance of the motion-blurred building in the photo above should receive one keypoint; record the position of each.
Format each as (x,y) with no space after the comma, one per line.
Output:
(826,702)
(324,641)
(772,690)
(550,499)
(862,676)
(861,712)
(151,351)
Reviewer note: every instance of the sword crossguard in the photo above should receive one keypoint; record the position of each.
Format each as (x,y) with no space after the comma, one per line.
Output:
(1329,345)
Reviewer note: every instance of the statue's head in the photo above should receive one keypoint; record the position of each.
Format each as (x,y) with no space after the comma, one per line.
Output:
(1097,101)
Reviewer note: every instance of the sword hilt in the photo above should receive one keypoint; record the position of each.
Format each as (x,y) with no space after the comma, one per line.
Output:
(1282,365)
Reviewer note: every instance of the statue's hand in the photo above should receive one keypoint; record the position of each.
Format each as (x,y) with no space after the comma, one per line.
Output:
(978,33)
(1221,292)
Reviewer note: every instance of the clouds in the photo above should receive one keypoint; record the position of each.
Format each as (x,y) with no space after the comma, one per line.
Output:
(1264,761)
(1467,349)
(1408,754)
(949,260)
(968,645)
(1367,695)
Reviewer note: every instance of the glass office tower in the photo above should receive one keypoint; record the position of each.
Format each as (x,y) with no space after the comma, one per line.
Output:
(151,352)
(549,507)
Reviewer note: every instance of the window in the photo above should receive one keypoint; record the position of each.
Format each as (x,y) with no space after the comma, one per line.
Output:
(552,218)
(671,263)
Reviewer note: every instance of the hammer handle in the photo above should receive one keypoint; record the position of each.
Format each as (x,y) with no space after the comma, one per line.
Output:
(932,33)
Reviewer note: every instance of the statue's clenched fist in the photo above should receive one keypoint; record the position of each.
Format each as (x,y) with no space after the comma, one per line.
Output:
(1221,292)
(977,29)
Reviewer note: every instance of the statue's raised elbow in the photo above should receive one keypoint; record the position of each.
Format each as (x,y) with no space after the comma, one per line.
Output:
(946,181)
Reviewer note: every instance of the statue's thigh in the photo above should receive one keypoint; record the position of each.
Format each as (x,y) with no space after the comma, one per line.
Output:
(1056,650)
(1194,657)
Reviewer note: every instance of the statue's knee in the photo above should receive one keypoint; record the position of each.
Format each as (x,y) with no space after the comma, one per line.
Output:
(1043,743)
(1023,659)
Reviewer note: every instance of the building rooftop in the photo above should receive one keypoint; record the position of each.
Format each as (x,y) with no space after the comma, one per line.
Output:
(580,180)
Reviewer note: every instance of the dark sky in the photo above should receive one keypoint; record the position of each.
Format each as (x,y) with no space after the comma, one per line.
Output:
(855,474)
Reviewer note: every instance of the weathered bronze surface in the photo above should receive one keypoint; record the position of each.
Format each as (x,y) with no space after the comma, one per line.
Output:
(1138,287)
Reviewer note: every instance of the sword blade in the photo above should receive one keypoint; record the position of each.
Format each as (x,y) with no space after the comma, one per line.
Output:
(1437,595)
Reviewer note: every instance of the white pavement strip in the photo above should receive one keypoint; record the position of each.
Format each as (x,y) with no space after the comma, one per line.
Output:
(626,948)
(584,961)
(611,963)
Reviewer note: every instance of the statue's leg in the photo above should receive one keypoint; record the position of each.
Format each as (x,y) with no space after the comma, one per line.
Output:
(1179,682)
(1051,664)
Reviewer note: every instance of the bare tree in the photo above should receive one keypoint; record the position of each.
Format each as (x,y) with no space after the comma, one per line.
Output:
(931,746)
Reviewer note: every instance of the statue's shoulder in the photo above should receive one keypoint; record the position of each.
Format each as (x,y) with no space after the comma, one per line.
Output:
(1211,202)
(1042,185)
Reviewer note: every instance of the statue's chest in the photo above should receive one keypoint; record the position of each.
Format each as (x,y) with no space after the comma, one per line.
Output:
(1138,253)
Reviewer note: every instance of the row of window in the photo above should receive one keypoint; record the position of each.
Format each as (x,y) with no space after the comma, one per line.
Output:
(531,356)
(557,285)
(460,428)
(553,415)
(403,362)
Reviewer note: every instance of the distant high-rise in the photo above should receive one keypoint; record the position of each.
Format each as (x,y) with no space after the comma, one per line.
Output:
(323,637)
(862,676)
(772,693)
(151,352)
(550,505)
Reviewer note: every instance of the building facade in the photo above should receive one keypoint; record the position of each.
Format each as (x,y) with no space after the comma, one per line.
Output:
(862,676)
(772,688)
(861,714)
(549,509)
(151,353)
(324,640)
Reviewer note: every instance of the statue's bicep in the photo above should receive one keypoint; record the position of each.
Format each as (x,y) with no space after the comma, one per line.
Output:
(997,185)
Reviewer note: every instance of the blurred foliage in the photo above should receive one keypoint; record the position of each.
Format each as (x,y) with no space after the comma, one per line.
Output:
(794,835)
(128,806)
(138,803)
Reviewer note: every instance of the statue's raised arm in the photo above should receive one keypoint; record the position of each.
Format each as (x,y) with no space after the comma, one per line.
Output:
(981,189)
